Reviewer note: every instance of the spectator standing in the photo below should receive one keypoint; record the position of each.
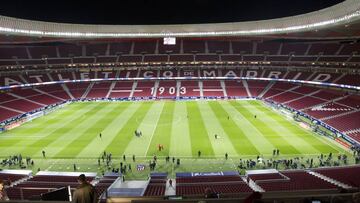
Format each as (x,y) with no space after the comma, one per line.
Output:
(210,194)
(170,183)
(3,195)
(85,192)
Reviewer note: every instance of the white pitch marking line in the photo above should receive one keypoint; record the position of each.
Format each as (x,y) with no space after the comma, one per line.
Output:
(153,132)
(51,165)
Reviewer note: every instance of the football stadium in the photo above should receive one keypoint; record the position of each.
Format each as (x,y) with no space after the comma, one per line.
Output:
(252,111)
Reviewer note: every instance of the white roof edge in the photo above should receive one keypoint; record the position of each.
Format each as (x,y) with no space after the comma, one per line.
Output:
(15,171)
(339,14)
(60,173)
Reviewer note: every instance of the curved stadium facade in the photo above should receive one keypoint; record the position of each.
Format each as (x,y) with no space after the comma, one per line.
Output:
(229,79)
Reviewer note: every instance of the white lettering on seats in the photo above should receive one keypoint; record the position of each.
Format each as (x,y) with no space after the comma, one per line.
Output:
(230,73)
(9,81)
(84,76)
(106,74)
(209,73)
(168,74)
(322,77)
(37,77)
(148,74)
(188,73)
(251,73)
(274,74)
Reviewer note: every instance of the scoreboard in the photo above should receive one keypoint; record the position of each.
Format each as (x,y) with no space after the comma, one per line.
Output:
(169,41)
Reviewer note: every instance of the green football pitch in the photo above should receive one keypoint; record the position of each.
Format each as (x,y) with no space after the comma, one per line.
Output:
(71,134)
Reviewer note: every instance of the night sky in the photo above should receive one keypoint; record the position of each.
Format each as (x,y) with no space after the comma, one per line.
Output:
(158,11)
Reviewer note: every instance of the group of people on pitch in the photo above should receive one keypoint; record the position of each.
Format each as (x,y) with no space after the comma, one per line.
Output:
(138,133)
(17,160)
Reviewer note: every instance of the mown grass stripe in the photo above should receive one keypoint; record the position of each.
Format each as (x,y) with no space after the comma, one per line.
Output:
(254,135)
(98,146)
(53,117)
(18,136)
(23,143)
(36,148)
(124,136)
(198,135)
(222,144)
(269,133)
(139,145)
(93,130)
(162,133)
(301,135)
(61,143)
(180,135)
(290,137)
(237,136)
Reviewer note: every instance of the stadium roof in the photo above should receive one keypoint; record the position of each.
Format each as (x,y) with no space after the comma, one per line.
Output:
(341,20)
(159,12)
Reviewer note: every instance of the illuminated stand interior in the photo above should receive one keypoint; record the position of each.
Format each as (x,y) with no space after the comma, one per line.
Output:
(15,122)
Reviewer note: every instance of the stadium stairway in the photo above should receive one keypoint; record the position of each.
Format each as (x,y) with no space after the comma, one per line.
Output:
(87,90)
(253,185)
(328,102)
(113,84)
(156,86)
(266,89)
(339,78)
(223,87)
(24,98)
(302,97)
(11,109)
(170,190)
(67,91)
(201,87)
(357,130)
(245,84)
(50,77)
(14,183)
(133,89)
(330,180)
(338,115)
(178,85)
(110,89)
(50,95)
(282,92)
